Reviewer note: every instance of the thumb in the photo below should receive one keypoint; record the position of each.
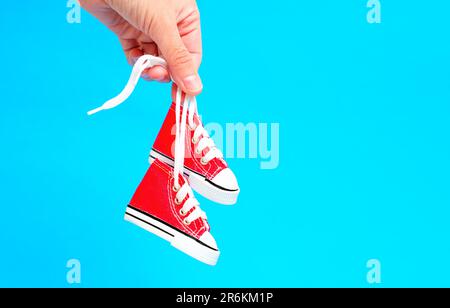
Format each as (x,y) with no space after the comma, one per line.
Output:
(180,60)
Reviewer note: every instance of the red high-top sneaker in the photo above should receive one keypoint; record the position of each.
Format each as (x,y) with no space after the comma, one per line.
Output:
(169,210)
(207,171)
(164,203)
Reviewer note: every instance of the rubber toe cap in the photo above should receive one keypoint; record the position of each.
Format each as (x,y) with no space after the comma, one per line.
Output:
(226,179)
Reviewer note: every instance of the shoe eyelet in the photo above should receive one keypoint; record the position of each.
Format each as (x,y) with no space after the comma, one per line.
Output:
(194,140)
(197,152)
(175,188)
(186,222)
(192,127)
(203,162)
(182,213)
(177,202)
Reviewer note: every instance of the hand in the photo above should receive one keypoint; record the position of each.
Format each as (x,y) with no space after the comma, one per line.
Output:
(166,28)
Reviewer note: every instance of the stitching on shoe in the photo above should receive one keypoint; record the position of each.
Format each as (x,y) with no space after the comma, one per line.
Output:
(172,207)
(218,169)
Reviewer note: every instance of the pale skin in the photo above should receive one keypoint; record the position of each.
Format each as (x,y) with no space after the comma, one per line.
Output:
(165,28)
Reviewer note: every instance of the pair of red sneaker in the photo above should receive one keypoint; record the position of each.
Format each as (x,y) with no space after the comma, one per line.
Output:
(183,158)
(168,208)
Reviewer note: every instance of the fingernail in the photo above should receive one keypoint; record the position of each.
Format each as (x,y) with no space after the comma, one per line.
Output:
(192,83)
(146,77)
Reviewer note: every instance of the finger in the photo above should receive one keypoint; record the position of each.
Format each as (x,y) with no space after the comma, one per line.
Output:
(180,61)
(191,35)
(157,73)
(131,49)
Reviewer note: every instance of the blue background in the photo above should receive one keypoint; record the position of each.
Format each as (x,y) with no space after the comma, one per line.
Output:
(364,148)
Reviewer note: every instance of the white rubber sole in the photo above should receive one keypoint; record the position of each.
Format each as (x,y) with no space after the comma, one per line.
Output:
(177,239)
(200,184)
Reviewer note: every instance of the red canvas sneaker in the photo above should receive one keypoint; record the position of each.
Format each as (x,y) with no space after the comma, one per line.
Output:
(169,210)
(204,165)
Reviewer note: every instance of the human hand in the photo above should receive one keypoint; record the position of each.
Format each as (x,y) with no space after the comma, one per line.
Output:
(166,28)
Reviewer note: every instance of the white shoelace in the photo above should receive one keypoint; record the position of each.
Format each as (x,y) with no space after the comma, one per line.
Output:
(201,138)
(141,64)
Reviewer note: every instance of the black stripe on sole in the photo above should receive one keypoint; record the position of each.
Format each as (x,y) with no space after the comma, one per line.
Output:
(146,222)
(166,224)
(220,187)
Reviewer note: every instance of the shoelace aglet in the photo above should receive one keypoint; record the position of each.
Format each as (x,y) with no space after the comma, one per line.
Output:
(108,105)
(95,110)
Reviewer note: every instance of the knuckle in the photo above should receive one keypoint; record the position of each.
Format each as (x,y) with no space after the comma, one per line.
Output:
(179,56)
(195,14)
